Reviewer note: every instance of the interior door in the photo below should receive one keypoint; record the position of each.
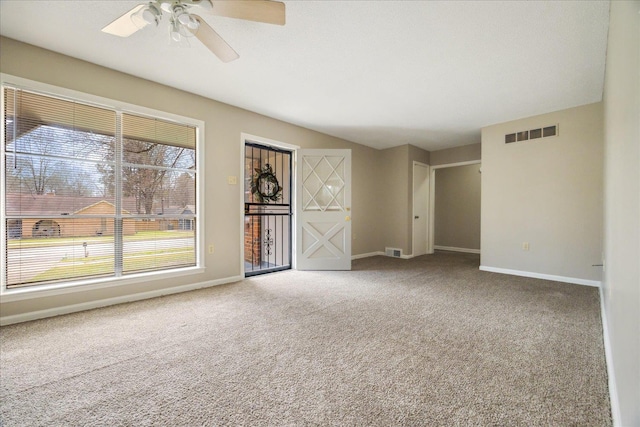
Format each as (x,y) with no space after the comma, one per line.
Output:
(420,208)
(323,210)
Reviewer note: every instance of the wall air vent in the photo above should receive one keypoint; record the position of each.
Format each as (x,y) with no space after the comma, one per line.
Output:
(526,135)
(393,252)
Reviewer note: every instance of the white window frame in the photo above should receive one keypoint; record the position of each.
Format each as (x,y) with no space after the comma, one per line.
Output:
(44,290)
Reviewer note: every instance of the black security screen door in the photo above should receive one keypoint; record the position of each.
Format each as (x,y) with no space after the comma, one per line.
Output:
(267,209)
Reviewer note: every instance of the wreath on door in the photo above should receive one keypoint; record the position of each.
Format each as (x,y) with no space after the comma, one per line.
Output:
(265,186)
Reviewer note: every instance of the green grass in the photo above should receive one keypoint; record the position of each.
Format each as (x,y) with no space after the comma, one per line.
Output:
(76,270)
(71,241)
(159,261)
(155,235)
(92,259)
(102,265)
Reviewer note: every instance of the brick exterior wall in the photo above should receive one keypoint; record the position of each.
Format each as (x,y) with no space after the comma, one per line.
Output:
(252,240)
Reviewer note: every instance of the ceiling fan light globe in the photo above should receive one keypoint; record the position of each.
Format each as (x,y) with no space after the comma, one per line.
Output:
(174,31)
(192,23)
(149,17)
(149,14)
(184,18)
(138,20)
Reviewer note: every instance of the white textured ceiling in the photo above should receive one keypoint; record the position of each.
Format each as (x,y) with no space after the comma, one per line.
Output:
(380,73)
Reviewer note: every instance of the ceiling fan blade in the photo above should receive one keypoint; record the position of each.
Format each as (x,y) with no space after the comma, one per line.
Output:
(270,12)
(213,41)
(124,25)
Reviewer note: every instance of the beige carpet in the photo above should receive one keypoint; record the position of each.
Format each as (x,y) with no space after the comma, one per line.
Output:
(429,341)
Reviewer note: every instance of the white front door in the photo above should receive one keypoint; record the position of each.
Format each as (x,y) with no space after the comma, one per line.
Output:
(420,208)
(323,210)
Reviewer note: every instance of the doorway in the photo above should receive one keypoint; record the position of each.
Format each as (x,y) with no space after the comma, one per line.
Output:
(420,233)
(456,195)
(267,209)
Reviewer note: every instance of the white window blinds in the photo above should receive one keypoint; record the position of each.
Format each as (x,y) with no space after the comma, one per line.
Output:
(89,192)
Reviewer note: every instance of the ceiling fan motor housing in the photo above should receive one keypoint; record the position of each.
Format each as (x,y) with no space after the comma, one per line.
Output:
(168,6)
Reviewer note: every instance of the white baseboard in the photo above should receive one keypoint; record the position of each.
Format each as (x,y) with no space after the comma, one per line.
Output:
(613,391)
(367,255)
(56,311)
(552,277)
(453,249)
(404,256)
(379,253)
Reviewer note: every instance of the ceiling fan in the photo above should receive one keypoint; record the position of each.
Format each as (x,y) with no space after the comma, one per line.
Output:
(183,23)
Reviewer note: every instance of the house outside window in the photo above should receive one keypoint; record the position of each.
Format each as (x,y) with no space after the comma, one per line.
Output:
(91,192)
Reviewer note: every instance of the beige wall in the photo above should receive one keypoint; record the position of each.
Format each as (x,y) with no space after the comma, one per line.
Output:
(547,192)
(465,153)
(395,195)
(457,207)
(223,127)
(621,282)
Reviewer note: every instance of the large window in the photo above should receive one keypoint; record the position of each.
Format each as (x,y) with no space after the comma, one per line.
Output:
(92,192)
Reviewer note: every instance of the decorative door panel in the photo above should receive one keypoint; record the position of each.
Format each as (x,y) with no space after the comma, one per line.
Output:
(323,230)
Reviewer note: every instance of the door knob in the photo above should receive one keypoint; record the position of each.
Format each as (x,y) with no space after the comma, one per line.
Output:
(416,217)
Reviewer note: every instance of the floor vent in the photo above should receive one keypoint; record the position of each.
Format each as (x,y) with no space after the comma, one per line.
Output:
(526,135)
(393,252)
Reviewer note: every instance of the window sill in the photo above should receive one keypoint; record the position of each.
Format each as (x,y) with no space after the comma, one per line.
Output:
(41,291)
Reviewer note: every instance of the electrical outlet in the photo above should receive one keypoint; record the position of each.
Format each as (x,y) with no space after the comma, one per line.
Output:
(211,248)
(525,246)
(232,180)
